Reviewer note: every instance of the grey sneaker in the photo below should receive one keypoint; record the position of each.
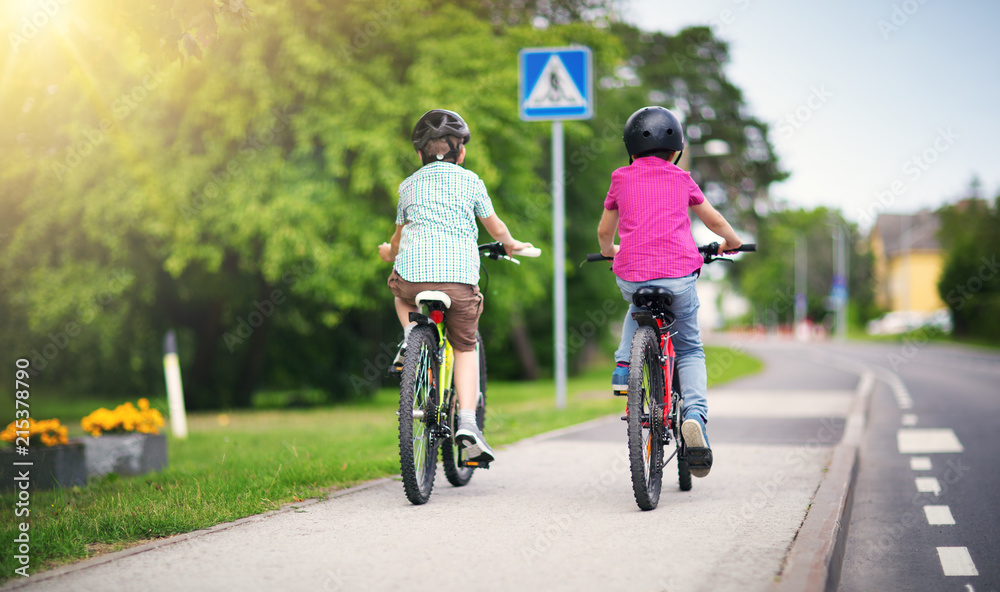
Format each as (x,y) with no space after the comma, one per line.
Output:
(472,442)
(397,364)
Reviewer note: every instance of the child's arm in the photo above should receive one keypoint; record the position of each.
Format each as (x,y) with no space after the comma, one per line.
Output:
(498,230)
(718,224)
(606,233)
(388,251)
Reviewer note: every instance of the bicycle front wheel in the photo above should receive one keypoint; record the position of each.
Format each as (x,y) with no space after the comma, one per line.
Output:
(645,421)
(418,396)
(450,451)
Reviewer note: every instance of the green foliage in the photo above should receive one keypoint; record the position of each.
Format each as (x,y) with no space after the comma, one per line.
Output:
(239,197)
(970,281)
(767,278)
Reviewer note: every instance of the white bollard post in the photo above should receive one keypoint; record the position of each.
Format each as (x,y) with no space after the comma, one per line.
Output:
(175,390)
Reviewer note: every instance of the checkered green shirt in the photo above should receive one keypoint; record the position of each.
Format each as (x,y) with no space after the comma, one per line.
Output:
(438,205)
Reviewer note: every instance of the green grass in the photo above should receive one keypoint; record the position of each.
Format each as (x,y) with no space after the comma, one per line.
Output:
(242,463)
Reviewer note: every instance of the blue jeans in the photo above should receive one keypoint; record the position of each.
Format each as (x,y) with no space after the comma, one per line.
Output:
(687,341)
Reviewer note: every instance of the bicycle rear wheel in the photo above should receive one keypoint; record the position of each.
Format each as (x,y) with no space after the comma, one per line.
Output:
(417,411)
(457,474)
(645,400)
(676,413)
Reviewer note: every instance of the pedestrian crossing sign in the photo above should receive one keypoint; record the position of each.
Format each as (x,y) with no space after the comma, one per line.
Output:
(555,83)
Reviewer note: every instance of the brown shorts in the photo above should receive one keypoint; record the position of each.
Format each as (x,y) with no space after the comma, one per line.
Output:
(463,316)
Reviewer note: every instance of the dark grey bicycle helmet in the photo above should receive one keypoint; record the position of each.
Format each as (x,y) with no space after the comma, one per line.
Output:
(438,123)
(651,129)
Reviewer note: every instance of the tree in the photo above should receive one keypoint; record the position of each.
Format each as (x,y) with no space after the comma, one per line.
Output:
(241,197)
(767,278)
(970,280)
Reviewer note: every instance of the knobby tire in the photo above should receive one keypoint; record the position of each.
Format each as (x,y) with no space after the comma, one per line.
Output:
(645,395)
(683,472)
(417,446)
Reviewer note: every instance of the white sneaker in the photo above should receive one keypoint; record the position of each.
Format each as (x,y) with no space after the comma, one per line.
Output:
(699,451)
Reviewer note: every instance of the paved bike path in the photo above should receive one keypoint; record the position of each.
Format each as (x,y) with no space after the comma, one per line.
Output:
(554,513)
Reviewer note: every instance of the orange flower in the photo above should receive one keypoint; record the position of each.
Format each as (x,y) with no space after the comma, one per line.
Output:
(49,431)
(125,418)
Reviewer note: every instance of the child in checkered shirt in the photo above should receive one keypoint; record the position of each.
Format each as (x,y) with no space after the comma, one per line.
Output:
(435,248)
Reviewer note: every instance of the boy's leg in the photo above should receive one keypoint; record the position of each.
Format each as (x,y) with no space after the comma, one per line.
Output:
(403,310)
(463,324)
(404,292)
(619,378)
(687,345)
(467,379)
(691,373)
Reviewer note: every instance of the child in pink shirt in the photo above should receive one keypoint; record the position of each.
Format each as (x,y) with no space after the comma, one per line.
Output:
(648,205)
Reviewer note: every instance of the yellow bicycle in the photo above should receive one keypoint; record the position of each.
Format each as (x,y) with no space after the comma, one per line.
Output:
(428,404)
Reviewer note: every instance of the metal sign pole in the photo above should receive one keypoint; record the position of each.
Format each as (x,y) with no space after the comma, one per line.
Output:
(559,250)
(556,83)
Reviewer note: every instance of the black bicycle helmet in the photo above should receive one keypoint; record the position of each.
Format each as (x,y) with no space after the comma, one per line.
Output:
(653,128)
(438,123)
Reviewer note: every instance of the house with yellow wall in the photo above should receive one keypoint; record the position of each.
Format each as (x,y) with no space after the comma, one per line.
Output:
(908,261)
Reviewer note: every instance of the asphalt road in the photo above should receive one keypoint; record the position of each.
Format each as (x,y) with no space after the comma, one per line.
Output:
(553,513)
(926,513)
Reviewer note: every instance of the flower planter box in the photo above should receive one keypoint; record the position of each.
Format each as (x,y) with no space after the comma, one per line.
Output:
(52,466)
(125,454)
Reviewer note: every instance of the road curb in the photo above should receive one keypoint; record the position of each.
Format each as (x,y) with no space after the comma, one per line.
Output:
(815,557)
(159,543)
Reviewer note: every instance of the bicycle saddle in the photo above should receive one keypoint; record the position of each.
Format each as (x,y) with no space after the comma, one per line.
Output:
(653,297)
(428,296)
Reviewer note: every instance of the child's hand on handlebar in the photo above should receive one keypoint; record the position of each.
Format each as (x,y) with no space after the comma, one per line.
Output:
(385,252)
(516,246)
(727,247)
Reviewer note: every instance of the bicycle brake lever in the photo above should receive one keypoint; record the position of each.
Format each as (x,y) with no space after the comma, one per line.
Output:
(511,259)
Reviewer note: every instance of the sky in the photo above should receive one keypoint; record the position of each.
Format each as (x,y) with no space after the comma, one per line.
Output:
(873,105)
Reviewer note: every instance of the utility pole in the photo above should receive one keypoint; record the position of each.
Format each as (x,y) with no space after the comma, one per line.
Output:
(801,286)
(839,290)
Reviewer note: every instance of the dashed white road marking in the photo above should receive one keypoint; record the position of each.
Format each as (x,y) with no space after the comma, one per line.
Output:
(956,561)
(927,441)
(928,485)
(902,396)
(937,515)
(909,419)
(920,463)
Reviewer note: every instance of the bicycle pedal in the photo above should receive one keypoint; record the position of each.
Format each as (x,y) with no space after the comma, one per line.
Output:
(620,393)
(396,370)
(699,458)
(475,464)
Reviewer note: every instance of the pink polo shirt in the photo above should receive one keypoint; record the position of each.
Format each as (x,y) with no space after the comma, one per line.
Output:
(652,197)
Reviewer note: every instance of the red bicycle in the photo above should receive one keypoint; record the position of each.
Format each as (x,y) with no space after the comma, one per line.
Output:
(653,417)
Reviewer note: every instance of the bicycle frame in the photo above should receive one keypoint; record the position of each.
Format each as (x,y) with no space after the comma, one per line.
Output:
(668,359)
(446,360)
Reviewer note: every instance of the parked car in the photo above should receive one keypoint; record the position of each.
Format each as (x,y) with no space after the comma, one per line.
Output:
(896,322)
(904,321)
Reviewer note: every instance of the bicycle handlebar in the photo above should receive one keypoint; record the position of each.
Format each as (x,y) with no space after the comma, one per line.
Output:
(710,252)
(496,251)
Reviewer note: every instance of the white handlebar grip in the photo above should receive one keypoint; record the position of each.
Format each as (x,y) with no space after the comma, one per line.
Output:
(530,252)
